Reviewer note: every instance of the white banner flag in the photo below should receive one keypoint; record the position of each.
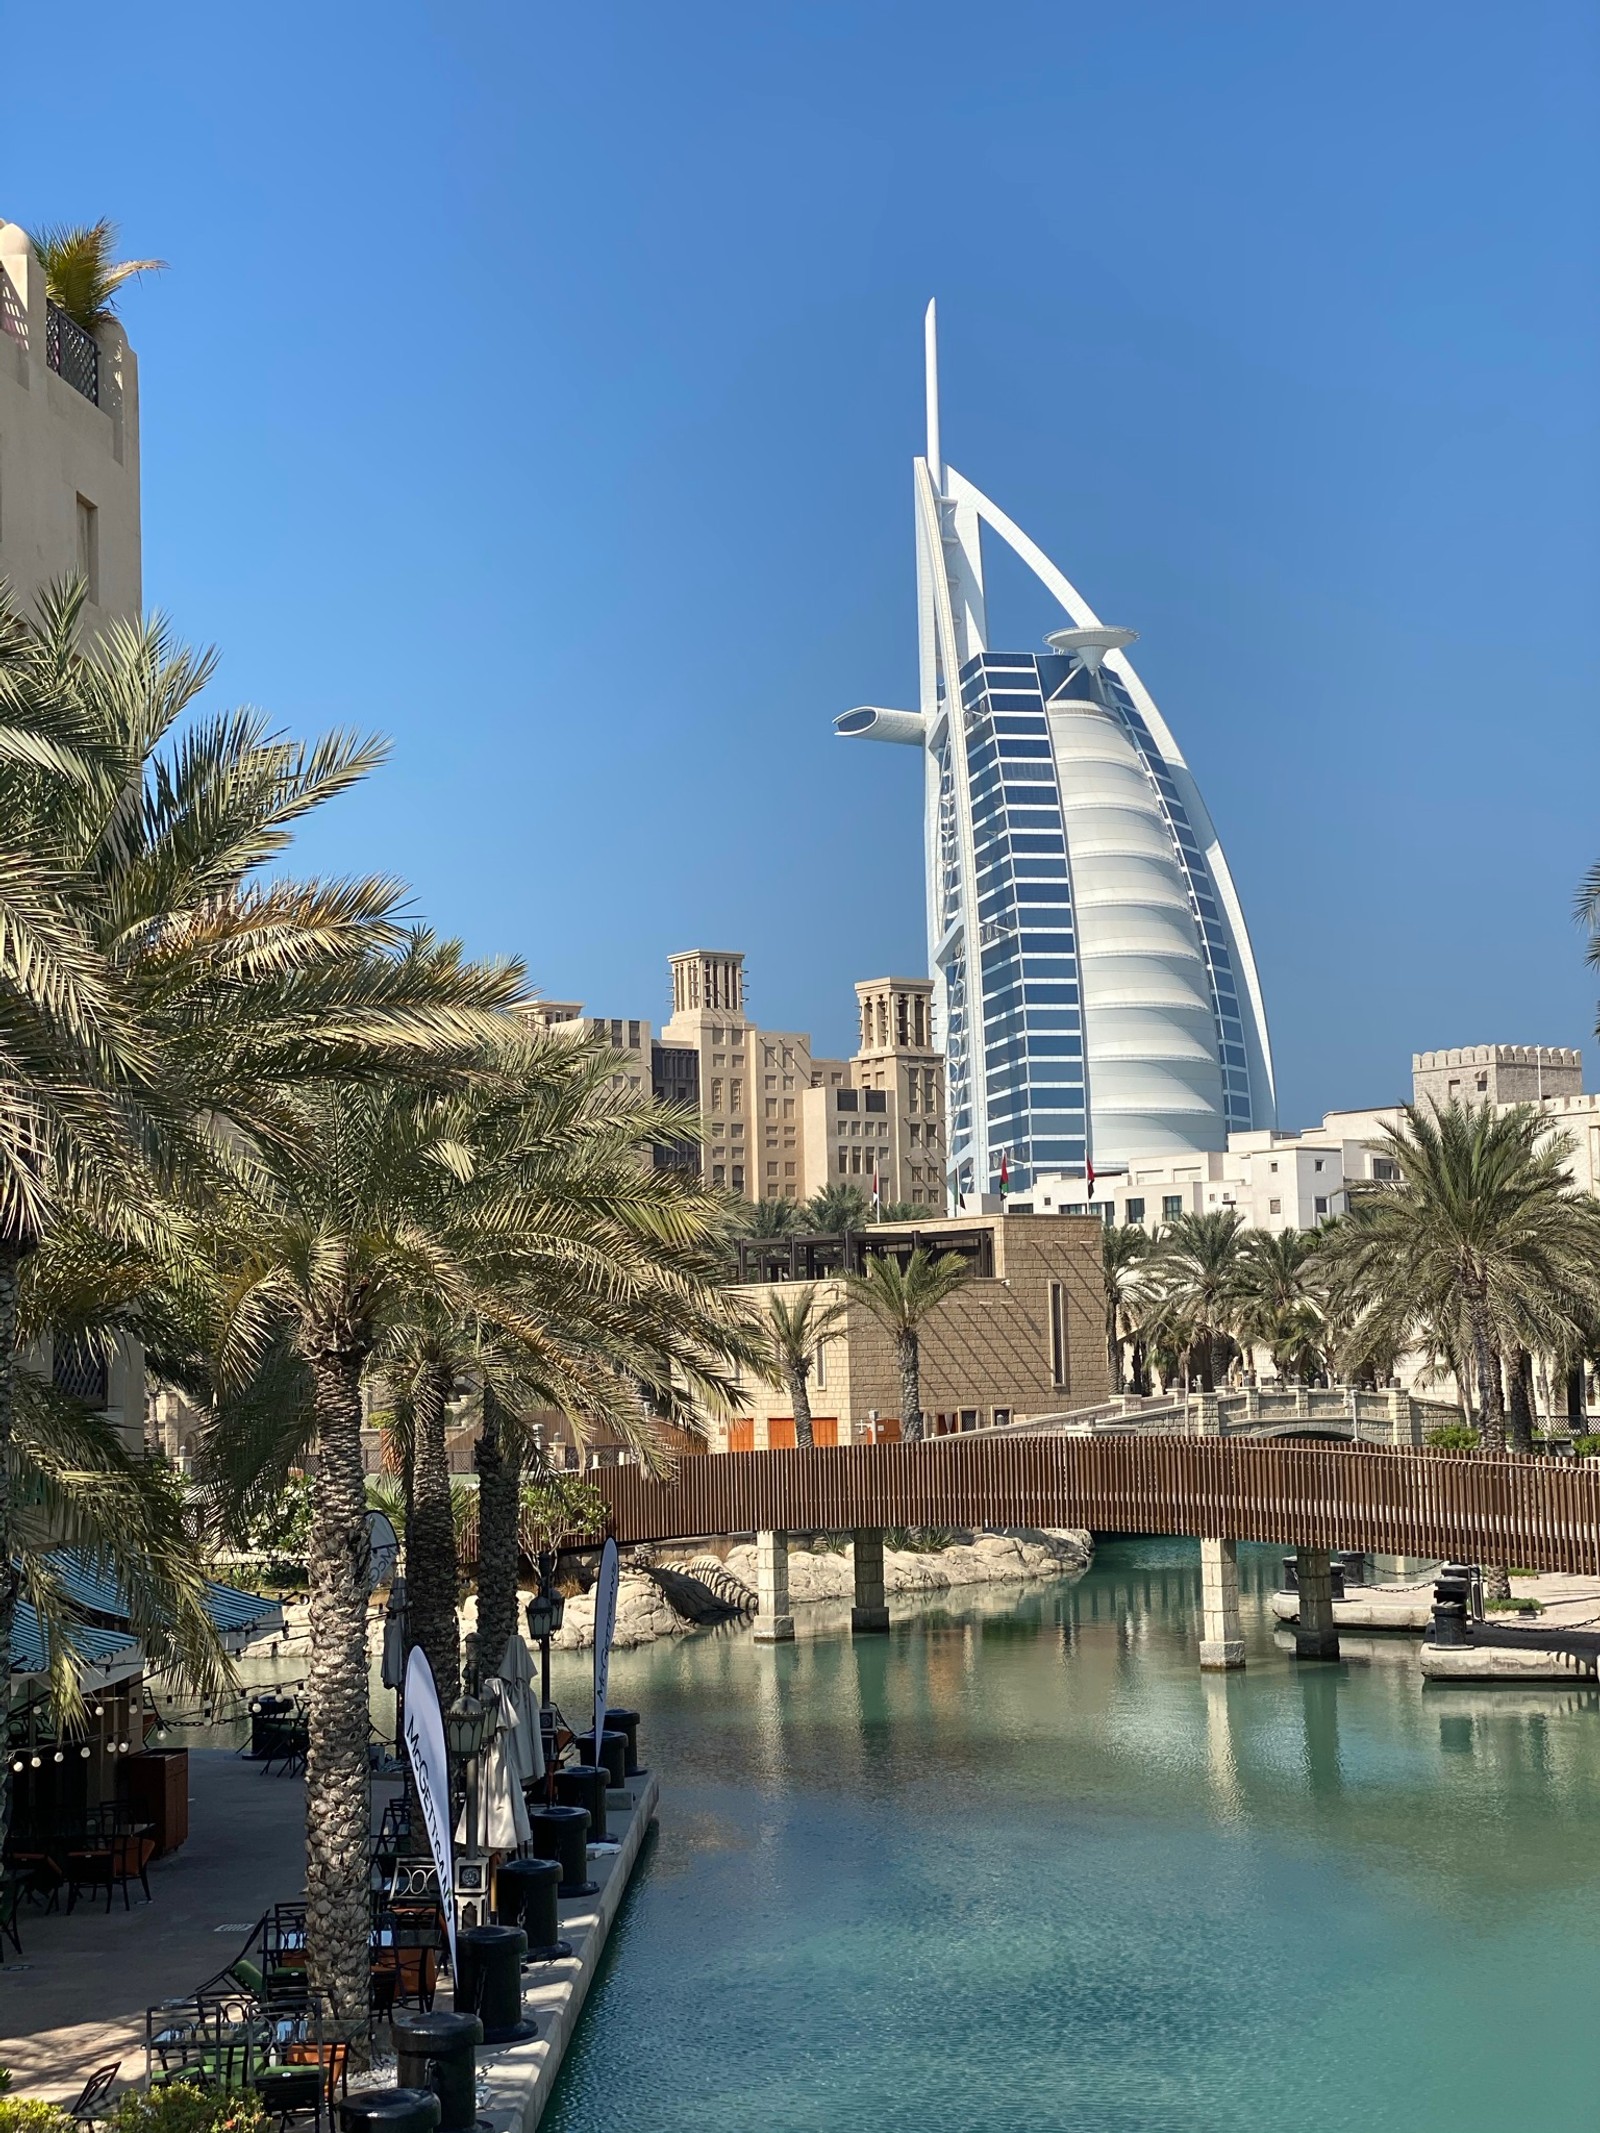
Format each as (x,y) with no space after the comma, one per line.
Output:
(605,1624)
(431,1768)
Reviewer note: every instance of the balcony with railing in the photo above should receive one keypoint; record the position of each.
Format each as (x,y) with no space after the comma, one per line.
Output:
(71,353)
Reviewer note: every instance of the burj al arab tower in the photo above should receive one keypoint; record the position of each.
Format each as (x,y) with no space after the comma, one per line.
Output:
(1093,980)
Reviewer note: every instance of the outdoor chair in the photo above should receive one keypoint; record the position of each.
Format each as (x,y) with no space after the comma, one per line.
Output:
(219,2041)
(38,1870)
(94,2100)
(417,1941)
(11,1890)
(286,1750)
(311,2064)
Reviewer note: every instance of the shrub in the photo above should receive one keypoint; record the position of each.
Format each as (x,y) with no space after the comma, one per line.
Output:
(184,2107)
(1454,1437)
(28,2114)
(1586,1447)
(1514,1606)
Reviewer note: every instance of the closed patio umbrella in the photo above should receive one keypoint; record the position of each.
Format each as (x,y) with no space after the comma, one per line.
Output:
(516,1673)
(502,1813)
(394,1641)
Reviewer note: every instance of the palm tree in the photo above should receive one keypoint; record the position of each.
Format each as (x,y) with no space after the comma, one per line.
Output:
(905,1211)
(795,1327)
(771,1218)
(1124,1253)
(608,1302)
(838,1208)
(902,1297)
(1483,1238)
(157,1002)
(1194,1283)
(1278,1300)
(335,1234)
(80,276)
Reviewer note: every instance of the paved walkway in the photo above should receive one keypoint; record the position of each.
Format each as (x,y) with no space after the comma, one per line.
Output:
(76,1997)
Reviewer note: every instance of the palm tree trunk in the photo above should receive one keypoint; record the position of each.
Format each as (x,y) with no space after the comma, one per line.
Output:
(1139,1368)
(11,1255)
(1520,1418)
(1577,1413)
(801,1398)
(498,1458)
(338,1816)
(431,1596)
(1204,1354)
(1491,1404)
(1491,1425)
(910,1387)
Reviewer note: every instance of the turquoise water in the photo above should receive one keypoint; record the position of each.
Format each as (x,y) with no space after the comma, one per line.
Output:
(1019,1867)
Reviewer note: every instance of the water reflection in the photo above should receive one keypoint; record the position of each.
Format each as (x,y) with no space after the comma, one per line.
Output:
(1020,1866)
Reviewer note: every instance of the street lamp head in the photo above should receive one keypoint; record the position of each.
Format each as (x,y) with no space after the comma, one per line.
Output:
(544,1613)
(465,1725)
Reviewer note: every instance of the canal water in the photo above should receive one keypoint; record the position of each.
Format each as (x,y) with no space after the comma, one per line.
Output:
(1019,1867)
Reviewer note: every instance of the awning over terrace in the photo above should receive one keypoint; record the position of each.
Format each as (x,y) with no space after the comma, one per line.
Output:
(99,1601)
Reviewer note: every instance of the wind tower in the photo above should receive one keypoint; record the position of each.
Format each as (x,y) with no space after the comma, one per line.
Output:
(1094,985)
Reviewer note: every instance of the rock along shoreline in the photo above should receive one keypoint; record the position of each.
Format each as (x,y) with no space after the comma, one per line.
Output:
(668,1597)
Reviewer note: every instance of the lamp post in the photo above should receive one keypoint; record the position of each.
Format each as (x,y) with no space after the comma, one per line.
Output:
(466,1724)
(545,1612)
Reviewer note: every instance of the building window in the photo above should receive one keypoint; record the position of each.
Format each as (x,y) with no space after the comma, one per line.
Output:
(738,1178)
(1320,1205)
(772,1170)
(1058,1334)
(716,1174)
(1317,1165)
(735,1095)
(1483,1081)
(820,1362)
(1135,1211)
(969,1418)
(1385,1169)
(1002,1415)
(89,548)
(788,1170)
(844,1161)
(1171,1206)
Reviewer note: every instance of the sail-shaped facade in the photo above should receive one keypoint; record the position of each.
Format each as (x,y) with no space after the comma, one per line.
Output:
(1093,979)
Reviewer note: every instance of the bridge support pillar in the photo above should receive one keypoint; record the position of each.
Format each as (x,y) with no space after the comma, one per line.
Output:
(1221,1633)
(870,1614)
(1315,1636)
(774,1623)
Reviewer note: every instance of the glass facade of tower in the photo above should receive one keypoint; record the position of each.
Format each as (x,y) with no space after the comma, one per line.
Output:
(1019,1018)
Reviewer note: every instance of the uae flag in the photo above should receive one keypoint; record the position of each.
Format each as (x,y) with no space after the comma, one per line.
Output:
(1005,1176)
(877,1195)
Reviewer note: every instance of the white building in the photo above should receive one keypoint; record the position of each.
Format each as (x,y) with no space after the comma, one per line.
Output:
(1298,1180)
(1094,987)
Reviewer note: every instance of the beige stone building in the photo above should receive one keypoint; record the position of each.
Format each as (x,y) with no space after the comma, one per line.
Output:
(778,1123)
(1025,1336)
(881,1114)
(69,446)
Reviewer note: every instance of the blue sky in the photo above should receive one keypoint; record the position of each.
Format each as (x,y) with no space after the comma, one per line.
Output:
(539,387)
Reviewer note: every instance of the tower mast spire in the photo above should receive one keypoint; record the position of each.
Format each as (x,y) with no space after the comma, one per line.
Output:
(930,360)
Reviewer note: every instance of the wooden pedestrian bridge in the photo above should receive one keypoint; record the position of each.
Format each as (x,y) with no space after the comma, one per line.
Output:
(1385,1498)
